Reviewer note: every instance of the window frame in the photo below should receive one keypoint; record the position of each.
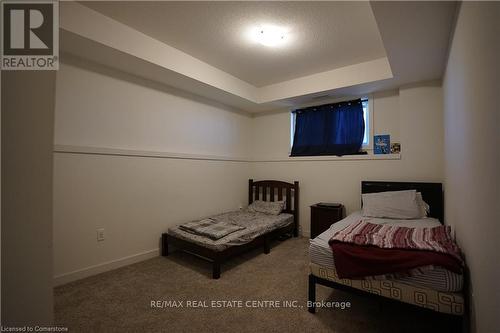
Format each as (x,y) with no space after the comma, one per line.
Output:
(368,124)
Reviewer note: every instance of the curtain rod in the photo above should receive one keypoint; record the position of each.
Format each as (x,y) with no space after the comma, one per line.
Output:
(320,105)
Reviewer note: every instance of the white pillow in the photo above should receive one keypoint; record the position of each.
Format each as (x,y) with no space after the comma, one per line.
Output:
(393,204)
(424,206)
(267,207)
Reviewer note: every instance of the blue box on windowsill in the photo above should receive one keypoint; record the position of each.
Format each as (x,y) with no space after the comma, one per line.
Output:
(382,144)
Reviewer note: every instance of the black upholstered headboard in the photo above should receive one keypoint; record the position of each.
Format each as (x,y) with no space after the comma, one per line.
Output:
(432,193)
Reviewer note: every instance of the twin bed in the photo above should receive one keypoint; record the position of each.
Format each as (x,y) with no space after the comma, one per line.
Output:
(249,228)
(433,288)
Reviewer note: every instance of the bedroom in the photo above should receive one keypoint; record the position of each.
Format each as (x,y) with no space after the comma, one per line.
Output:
(159,113)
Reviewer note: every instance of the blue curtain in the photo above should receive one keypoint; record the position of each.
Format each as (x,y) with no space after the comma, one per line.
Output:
(331,129)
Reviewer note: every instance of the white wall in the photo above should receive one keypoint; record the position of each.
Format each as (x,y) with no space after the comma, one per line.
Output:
(135,198)
(472,128)
(27,141)
(412,115)
(0,197)
(100,107)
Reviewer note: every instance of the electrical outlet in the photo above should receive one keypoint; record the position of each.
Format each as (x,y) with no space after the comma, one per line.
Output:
(100,234)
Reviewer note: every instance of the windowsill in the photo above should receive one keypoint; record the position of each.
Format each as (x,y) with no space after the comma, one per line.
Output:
(334,158)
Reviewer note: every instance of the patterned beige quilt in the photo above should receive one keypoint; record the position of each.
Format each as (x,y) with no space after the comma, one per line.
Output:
(254,223)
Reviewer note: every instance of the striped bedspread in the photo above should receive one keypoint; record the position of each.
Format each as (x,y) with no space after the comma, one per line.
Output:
(436,239)
(366,249)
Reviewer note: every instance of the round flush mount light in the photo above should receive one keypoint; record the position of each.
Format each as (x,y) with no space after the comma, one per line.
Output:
(269,35)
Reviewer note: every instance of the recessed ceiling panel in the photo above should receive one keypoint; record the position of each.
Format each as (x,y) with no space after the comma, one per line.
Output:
(320,36)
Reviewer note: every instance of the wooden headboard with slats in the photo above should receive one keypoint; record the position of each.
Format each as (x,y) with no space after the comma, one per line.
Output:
(275,190)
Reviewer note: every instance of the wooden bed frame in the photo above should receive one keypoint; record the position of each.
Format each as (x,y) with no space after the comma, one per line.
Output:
(432,193)
(265,190)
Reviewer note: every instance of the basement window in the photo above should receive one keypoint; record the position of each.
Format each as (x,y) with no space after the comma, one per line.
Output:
(367,118)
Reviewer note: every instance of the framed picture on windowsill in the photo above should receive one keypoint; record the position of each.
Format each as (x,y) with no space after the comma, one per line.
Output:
(382,144)
(395,148)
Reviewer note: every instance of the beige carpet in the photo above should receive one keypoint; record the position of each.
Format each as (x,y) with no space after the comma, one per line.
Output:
(120,300)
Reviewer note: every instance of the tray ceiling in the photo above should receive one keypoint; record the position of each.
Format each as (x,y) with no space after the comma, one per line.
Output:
(332,48)
(321,35)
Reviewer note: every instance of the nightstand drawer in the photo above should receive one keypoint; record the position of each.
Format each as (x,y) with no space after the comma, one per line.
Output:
(323,217)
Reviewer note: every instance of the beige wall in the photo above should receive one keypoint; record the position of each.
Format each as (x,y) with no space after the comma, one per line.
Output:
(472,182)
(100,107)
(135,198)
(0,196)
(27,142)
(412,115)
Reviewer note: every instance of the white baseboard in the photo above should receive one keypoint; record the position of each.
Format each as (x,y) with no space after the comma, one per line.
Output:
(104,267)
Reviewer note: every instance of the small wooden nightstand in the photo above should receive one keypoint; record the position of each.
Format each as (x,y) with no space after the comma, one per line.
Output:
(322,217)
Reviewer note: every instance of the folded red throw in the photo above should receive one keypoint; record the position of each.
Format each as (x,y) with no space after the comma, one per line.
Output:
(366,249)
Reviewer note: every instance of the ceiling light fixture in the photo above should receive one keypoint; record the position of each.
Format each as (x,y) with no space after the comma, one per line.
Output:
(269,35)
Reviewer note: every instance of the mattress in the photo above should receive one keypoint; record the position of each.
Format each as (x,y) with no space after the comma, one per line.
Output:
(444,302)
(436,278)
(255,223)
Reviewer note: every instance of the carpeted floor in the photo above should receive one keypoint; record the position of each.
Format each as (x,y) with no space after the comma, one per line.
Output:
(120,300)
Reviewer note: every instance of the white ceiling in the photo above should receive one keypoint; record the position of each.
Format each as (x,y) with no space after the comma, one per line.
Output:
(336,49)
(321,35)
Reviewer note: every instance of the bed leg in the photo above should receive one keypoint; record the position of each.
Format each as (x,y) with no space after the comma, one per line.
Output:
(312,294)
(164,245)
(460,324)
(267,245)
(216,269)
